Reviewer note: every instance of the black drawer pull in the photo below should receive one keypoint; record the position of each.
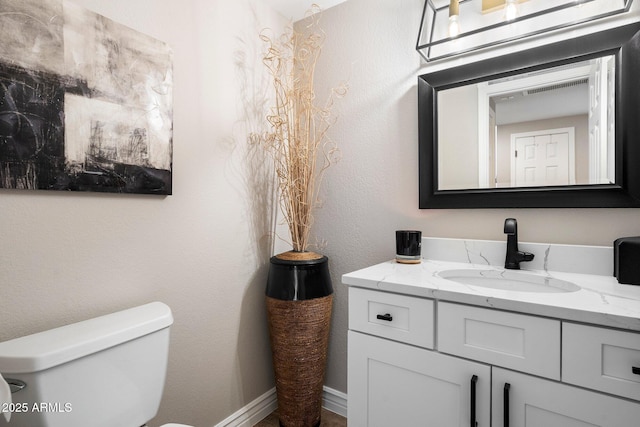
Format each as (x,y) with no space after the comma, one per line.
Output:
(474,380)
(386,317)
(505,411)
(635,370)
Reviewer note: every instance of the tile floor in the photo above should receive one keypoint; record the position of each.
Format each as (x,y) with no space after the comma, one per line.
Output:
(328,419)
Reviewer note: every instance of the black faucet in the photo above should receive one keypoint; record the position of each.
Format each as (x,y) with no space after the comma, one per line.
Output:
(514,256)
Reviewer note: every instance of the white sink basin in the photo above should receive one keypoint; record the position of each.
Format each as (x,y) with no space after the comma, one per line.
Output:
(509,280)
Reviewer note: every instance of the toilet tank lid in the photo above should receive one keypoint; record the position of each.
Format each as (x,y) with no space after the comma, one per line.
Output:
(43,350)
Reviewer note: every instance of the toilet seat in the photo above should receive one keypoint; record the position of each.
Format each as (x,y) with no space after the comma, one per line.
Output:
(175,425)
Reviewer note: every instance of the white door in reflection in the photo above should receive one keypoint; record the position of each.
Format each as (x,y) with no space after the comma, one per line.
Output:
(543,158)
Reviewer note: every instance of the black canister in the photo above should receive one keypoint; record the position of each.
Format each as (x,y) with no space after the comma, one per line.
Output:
(408,245)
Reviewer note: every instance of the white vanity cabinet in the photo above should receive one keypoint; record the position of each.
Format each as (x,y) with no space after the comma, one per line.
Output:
(451,365)
(396,379)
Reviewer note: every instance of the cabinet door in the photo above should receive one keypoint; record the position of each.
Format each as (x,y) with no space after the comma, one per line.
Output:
(393,384)
(535,402)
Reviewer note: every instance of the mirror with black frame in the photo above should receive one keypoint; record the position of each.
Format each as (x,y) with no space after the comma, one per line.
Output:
(554,126)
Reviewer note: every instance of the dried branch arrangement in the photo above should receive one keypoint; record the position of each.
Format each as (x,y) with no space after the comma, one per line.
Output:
(298,139)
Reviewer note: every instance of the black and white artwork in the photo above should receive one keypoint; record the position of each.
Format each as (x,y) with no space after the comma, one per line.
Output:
(85,102)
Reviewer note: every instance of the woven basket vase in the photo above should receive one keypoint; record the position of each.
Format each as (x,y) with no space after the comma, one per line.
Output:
(299,300)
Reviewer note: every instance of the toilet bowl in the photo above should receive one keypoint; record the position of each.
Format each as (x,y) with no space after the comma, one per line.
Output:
(103,372)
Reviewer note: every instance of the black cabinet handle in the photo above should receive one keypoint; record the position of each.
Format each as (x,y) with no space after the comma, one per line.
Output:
(635,370)
(507,387)
(474,380)
(386,317)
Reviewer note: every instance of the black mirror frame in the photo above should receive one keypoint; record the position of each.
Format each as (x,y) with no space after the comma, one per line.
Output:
(624,43)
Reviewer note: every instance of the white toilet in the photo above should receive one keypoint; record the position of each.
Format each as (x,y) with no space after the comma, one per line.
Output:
(104,372)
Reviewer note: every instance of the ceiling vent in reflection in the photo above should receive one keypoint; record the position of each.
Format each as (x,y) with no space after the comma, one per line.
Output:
(557,86)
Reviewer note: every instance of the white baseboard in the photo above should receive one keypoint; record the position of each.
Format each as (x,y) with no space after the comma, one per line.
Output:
(332,400)
(252,413)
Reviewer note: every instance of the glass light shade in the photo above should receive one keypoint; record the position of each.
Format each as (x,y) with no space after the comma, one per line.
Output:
(510,10)
(454,25)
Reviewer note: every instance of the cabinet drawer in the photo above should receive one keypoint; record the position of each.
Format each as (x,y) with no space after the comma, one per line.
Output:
(524,343)
(397,317)
(601,359)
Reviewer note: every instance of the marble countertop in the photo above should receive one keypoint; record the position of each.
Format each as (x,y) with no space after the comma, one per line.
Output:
(601,299)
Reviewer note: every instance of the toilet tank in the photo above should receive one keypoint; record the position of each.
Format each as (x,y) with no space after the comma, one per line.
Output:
(103,372)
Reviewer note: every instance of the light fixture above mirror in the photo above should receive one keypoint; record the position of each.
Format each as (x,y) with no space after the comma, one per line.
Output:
(453,27)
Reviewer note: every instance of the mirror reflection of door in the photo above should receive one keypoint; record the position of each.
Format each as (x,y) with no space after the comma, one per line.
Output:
(536,112)
(543,158)
(479,119)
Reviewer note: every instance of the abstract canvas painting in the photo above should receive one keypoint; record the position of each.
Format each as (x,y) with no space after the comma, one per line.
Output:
(85,102)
